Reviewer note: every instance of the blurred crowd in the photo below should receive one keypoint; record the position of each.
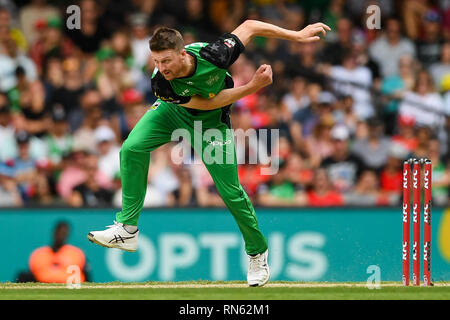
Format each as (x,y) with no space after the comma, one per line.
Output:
(349,109)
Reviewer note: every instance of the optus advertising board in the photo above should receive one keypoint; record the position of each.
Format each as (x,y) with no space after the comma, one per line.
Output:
(305,244)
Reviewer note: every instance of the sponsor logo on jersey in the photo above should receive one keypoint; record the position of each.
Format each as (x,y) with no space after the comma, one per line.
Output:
(219,143)
(212,79)
(168,99)
(185,92)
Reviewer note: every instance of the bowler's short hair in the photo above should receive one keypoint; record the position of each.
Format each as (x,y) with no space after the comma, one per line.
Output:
(166,38)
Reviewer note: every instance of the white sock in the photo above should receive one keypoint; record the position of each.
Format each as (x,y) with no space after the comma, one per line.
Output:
(129,228)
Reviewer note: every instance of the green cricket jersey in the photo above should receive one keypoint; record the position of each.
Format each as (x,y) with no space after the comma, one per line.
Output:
(156,127)
(210,76)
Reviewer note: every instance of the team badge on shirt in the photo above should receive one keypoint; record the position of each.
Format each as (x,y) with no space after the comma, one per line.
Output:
(229,42)
(154,106)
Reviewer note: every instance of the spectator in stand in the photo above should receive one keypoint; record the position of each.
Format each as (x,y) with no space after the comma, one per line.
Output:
(162,182)
(51,264)
(429,46)
(50,43)
(140,39)
(305,120)
(64,84)
(33,12)
(391,175)
(7,31)
(296,98)
(406,135)
(424,104)
(59,144)
(108,151)
(446,144)
(441,174)
(391,45)
(29,102)
(333,52)
(360,47)
(184,193)
(301,169)
(367,192)
(394,87)
(320,144)
(120,44)
(355,80)
(10,60)
(196,17)
(303,59)
(322,193)
(333,15)
(243,70)
(142,64)
(413,12)
(206,191)
(164,178)
(9,192)
(7,151)
(440,69)
(59,141)
(113,76)
(249,150)
(89,37)
(91,102)
(32,183)
(343,113)
(33,116)
(226,15)
(74,173)
(90,193)
(275,121)
(10,122)
(424,135)
(342,167)
(373,150)
(445,9)
(281,190)
(133,108)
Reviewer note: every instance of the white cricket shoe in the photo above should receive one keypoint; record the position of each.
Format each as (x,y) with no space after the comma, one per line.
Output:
(115,237)
(258,270)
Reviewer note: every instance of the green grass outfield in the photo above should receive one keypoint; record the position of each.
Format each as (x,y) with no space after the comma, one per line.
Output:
(219,290)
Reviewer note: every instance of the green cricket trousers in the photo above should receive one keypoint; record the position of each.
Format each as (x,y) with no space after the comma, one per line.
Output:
(210,135)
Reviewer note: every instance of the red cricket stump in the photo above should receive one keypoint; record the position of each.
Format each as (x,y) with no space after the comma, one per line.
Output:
(416,223)
(427,223)
(406,220)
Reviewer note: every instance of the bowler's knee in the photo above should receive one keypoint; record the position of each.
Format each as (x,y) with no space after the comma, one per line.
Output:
(127,148)
(233,195)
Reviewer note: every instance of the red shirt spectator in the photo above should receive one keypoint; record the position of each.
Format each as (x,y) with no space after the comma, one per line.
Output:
(322,193)
(330,198)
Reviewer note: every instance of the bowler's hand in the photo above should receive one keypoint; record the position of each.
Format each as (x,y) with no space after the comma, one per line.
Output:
(262,76)
(309,33)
